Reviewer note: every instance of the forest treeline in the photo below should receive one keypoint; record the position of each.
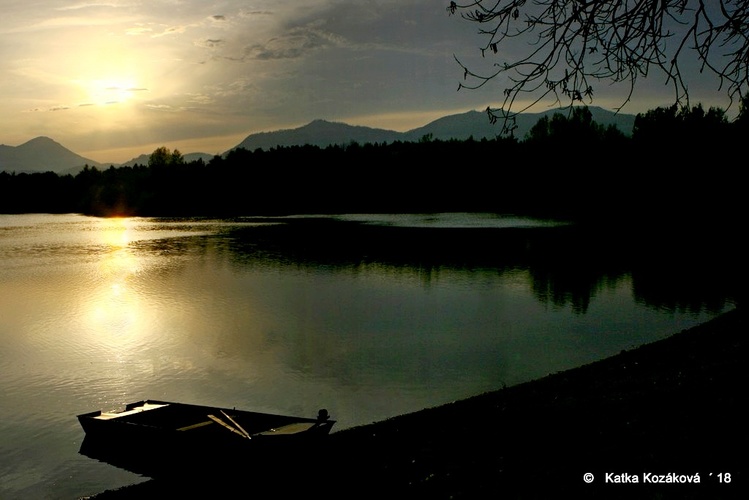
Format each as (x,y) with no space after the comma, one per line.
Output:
(678,165)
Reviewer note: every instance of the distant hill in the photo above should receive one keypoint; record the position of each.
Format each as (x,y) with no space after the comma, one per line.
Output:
(476,124)
(320,133)
(41,154)
(460,127)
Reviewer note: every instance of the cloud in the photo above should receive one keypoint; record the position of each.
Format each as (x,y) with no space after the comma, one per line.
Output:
(126,89)
(65,22)
(292,45)
(209,43)
(255,13)
(201,99)
(234,88)
(167,108)
(172,30)
(86,5)
(139,30)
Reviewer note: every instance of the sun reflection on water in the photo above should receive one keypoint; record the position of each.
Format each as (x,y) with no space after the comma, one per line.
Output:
(115,311)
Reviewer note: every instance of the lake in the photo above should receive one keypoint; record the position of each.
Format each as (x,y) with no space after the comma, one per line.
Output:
(369,316)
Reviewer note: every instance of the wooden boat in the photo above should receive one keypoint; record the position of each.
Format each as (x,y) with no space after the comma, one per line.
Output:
(152,437)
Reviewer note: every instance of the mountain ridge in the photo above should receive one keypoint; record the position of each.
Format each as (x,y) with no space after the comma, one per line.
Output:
(41,150)
(42,154)
(462,126)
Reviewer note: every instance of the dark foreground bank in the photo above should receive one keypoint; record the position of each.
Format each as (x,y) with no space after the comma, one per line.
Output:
(667,420)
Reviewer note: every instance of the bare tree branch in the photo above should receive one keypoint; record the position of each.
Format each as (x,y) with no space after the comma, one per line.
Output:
(575,44)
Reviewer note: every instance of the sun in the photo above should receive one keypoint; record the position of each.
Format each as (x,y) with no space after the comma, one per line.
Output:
(106,92)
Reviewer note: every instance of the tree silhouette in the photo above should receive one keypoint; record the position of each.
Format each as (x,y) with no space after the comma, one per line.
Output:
(572,130)
(675,171)
(573,44)
(163,157)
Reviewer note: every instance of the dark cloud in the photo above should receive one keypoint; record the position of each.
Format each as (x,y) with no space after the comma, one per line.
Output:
(209,42)
(296,43)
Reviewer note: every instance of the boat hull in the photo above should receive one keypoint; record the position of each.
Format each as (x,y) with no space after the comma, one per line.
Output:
(160,438)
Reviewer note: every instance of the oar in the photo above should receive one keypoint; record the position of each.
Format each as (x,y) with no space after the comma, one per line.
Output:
(219,421)
(247,434)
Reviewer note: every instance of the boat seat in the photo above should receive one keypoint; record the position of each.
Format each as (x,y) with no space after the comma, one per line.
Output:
(195,426)
(288,429)
(107,415)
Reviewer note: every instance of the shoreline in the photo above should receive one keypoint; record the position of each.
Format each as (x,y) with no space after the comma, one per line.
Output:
(674,408)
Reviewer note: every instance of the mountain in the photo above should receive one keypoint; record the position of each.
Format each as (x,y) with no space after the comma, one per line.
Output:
(41,154)
(318,133)
(476,124)
(460,127)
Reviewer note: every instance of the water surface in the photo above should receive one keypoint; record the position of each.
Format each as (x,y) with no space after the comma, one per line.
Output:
(367,316)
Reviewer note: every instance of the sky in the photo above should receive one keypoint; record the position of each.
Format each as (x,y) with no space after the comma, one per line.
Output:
(113,79)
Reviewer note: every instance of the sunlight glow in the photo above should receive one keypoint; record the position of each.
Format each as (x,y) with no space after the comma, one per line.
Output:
(115,310)
(107,92)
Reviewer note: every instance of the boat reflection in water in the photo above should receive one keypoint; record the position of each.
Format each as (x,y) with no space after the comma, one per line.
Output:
(163,439)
